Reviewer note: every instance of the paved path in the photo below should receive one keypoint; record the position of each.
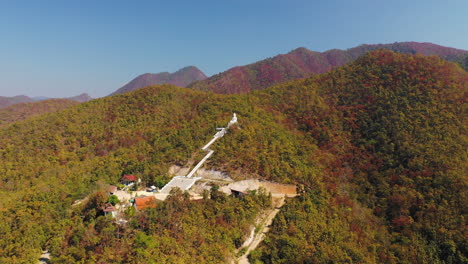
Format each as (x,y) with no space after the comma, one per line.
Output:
(181,182)
(264,228)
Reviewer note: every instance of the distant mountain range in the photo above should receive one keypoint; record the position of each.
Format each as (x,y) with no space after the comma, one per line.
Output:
(84,97)
(181,78)
(7,101)
(22,111)
(40,98)
(297,64)
(301,63)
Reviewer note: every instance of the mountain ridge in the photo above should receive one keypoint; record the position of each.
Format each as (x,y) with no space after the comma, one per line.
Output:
(181,78)
(301,62)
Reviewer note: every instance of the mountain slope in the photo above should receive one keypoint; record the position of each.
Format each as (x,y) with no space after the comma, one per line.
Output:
(181,78)
(301,63)
(402,155)
(377,149)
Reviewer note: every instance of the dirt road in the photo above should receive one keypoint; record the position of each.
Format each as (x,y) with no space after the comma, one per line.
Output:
(264,228)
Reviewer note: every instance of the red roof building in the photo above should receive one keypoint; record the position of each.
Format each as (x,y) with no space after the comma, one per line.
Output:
(145,202)
(127,179)
(109,209)
(112,189)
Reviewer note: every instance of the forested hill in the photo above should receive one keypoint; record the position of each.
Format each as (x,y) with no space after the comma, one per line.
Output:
(396,125)
(181,78)
(379,147)
(301,62)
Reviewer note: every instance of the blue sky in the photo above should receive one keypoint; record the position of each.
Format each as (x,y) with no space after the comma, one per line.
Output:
(64,48)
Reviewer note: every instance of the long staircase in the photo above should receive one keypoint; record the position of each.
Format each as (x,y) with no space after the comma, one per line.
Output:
(186,182)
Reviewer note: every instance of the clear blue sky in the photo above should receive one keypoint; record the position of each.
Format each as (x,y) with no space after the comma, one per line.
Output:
(63,48)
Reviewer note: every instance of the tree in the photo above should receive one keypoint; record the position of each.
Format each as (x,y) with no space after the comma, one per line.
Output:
(113,199)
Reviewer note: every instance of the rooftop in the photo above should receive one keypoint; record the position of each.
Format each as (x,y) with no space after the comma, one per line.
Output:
(108,208)
(145,202)
(112,189)
(128,178)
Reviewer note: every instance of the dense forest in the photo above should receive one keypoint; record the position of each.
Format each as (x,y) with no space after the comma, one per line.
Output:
(402,156)
(377,146)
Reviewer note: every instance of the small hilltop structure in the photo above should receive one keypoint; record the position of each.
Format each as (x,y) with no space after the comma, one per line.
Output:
(197,183)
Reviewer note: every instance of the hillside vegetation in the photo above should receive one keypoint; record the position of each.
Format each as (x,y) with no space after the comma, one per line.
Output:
(402,155)
(378,148)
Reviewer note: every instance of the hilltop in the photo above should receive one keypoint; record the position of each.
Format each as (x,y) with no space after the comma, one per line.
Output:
(181,78)
(377,148)
(301,63)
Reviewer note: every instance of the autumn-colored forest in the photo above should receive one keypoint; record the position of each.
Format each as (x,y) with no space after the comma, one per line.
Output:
(378,147)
